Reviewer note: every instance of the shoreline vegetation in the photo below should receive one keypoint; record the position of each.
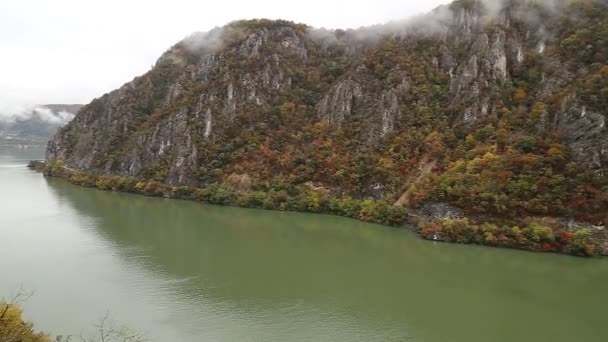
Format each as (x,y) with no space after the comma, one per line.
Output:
(524,235)
(14,328)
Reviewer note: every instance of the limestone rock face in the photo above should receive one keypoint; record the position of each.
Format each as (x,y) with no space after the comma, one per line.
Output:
(585,132)
(142,126)
(338,103)
(207,92)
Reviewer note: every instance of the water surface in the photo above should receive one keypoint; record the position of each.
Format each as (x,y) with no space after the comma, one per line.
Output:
(185,271)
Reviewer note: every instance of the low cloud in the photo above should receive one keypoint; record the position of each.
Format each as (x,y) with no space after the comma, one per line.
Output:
(442,19)
(14,114)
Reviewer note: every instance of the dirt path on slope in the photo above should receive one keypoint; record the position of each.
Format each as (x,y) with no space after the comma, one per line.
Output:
(426,167)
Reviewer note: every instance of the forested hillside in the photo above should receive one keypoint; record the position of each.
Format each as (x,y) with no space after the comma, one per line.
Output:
(497,112)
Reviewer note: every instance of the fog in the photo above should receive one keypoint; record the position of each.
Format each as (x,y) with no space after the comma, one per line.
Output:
(70,51)
(23,113)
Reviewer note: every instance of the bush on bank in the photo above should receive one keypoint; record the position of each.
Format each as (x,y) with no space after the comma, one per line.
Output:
(292,198)
(14,329)
(533,236)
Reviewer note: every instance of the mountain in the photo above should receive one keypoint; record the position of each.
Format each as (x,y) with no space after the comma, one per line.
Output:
(35,126)
(488,115)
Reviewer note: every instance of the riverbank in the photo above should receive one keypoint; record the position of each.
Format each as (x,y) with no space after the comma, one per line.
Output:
(14,328)
(531,234)
(232,274)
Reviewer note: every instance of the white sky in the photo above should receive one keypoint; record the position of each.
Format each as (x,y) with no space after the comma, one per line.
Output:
(71,51)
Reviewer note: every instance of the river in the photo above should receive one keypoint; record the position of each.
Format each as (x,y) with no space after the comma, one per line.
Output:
(184,271)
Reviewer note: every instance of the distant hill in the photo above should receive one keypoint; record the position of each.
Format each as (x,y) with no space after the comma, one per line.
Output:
(36,125)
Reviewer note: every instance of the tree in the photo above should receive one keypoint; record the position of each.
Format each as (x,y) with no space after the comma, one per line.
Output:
(12,326)
(526,144)
(581,241)
(108,331)
(537,112)
(14,329)
(435,144)
(520,96)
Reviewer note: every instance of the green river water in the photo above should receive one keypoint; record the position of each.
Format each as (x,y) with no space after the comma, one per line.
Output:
(185,271)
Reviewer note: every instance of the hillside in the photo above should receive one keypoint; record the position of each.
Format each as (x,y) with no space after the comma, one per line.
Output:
(495,112)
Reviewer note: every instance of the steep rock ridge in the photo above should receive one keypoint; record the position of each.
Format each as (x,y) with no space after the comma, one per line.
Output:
(512,92)
(141,117)
(498,51)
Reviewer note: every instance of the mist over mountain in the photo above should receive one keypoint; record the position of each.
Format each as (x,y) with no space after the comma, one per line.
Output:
(495,108)
(34,125)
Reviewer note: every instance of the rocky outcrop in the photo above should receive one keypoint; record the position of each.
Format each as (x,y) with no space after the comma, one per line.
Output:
(433,212)
(338,103)
(585,132)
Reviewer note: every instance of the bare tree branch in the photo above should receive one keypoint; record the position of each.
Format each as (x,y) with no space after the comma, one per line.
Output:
(107,331)
(19,297)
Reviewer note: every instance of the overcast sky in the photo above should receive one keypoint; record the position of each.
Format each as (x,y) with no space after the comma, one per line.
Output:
(71,51)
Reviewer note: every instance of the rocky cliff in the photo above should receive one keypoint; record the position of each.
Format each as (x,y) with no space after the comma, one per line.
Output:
(497,109)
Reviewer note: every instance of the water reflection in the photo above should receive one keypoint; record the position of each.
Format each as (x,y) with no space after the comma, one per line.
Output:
(183,271)
(271,270)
